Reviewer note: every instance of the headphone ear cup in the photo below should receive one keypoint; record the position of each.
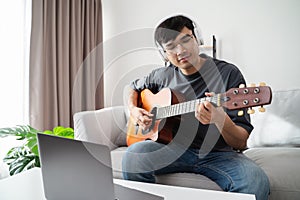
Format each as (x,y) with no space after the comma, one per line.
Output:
(164,56)
(162,52)
(198,34)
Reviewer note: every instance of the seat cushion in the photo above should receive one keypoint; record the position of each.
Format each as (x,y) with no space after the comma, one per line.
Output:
(176,179)
(282,166)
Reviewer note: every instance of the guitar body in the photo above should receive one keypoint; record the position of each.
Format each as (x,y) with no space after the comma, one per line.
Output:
(161,129)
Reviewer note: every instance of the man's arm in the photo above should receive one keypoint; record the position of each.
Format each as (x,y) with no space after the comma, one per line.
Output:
(234,135)
(139,115)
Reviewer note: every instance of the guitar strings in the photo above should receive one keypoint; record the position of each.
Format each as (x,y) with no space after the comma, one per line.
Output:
(184,107)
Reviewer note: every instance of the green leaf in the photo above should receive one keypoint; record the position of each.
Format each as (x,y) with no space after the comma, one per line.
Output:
(48,132)
(27,156)
(57,130)
(61,131)
(20,159)
(21,131)
(37,161)
(33,146)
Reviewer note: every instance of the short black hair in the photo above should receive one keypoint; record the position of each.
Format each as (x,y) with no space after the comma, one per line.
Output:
(171,27)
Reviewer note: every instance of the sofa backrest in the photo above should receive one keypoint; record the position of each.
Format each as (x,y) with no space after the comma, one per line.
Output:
(280,124)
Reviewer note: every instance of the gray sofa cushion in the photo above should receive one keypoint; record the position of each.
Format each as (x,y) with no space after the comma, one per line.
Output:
(282,166)
(280,124)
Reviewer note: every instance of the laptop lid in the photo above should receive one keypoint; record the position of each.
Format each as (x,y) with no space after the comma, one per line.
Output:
(73,169)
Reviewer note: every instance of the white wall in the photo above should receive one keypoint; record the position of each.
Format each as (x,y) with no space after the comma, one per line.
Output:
(262,37)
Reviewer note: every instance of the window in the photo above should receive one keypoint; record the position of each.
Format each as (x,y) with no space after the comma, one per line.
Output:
(15,19)
(15,26)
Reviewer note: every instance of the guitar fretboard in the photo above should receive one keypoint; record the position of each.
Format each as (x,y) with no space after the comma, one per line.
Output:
(185,107)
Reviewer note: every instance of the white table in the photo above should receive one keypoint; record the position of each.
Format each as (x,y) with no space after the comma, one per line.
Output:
(174,192)
(28,186)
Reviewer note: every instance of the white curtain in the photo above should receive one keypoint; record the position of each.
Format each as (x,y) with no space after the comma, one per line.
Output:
(15,20)
(15,25)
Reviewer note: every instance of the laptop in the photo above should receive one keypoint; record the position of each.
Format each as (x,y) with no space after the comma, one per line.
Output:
(73,169)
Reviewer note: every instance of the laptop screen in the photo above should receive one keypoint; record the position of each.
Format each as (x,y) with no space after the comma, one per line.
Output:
(73,169)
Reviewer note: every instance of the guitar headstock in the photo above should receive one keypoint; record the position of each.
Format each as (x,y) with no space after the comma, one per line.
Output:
(247,97)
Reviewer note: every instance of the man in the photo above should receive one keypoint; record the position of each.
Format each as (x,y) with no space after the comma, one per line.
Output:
(205,141)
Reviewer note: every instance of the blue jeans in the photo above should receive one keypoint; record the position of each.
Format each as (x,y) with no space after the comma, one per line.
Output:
(232,171)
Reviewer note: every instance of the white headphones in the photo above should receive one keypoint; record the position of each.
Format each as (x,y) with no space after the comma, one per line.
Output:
(196,31)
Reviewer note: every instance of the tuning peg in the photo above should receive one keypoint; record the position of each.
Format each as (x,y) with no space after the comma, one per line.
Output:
(261,109)
(241,85)
(251,85)
(240,113)
(250,111)
(262,84)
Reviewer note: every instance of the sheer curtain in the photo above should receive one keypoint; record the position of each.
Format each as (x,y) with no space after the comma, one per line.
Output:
(15,20)
(65,58)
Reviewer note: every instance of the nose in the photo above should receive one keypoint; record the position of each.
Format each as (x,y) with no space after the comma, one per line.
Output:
(179,49)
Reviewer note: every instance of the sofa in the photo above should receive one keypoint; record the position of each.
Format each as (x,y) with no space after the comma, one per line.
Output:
(273,144)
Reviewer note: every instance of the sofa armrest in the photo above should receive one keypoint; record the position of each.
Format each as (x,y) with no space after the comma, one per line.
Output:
(105,126)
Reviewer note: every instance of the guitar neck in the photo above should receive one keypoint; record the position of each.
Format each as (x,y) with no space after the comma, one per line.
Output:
(185,107)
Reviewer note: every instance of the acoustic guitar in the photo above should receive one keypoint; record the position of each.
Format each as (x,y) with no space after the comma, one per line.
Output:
(166,106)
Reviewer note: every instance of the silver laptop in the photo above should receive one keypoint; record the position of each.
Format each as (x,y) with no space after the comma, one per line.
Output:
(73,169)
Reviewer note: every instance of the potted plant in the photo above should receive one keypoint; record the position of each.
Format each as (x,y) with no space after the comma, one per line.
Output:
(25,157)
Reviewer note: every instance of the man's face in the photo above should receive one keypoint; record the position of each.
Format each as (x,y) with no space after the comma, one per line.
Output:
(183,51)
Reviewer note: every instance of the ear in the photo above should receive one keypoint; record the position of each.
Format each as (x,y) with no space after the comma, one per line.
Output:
(162,52)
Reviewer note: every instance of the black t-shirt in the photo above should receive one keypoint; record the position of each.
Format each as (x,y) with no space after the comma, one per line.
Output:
(214,76)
